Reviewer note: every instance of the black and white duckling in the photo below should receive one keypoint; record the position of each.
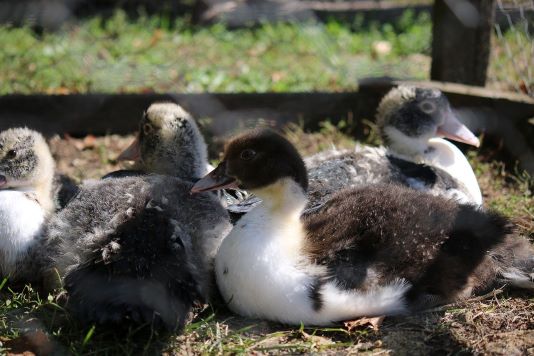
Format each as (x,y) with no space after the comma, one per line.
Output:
(371,250)
(412,122)
(140,248)
(26,201)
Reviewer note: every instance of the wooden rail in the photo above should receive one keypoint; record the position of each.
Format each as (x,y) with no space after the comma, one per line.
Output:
(504,116)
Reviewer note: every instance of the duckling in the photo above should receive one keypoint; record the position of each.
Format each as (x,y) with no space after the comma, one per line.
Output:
(370,250)
(163,128)
(139,248)
(150,160)
(26,200)
(410,120)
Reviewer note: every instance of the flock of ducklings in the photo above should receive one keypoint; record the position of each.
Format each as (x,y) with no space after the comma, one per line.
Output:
(336,236)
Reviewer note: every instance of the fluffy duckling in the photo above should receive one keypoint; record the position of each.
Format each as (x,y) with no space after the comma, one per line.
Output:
(26,200)
(411,121)
(154,157)
(164,128)
(140,247)
(371,250)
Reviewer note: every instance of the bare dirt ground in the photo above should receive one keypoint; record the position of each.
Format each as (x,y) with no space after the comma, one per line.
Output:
(501,323)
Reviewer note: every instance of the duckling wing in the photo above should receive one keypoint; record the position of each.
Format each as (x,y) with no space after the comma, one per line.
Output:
(136,249)
(330,172)
(65,188)
(372,235)
(124,173)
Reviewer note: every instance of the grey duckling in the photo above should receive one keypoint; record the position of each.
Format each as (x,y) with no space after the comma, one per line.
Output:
(411,121)
(370,250)
(26,202)
(140,248)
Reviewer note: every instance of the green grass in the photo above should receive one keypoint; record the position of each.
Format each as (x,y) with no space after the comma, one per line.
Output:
(154,54)
(512,64)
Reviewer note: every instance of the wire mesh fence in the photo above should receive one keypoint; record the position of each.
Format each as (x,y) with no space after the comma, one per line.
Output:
(512,56)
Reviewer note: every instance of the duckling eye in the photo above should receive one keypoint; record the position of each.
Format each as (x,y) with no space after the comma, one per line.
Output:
(11,154)
(248,154)
(147,128)
(428,107)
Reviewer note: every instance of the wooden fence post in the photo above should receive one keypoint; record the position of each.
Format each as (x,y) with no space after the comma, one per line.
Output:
(461,40)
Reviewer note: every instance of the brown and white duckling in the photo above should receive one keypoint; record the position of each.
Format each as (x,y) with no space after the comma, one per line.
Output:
(139,248)
(26,200)
(412,122)
(371,250)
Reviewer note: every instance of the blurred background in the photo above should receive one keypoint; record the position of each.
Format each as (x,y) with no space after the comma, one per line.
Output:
(190,46)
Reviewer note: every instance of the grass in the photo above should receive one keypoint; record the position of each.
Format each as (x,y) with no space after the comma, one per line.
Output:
(497,323)
(155,54)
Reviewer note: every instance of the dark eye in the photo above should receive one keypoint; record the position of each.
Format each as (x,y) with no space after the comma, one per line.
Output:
(247,155)
(147,128)
(428,107)
(11,154)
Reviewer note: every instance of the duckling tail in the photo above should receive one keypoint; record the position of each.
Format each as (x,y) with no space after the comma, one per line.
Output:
(513,263)
(141,273)
(95,298)
(464,264)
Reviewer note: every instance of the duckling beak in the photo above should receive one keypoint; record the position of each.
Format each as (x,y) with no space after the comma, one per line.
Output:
(3,181)
(215,180)
(453,129)
(132,153)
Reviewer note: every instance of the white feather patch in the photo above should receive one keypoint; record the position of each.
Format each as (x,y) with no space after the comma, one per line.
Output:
(21,222)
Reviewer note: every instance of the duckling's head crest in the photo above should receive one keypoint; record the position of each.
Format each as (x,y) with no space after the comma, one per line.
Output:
(169,142)
(25,159)
(415,112)
(408,117)
(255,160)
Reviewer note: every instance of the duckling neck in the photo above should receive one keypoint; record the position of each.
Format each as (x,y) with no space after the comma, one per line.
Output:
(43,191)
(285,197)
(447,156)
(405,147)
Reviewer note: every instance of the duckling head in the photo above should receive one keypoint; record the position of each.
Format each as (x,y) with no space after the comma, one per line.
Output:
(169,142)
(408,117)
(254,161)
(25,160)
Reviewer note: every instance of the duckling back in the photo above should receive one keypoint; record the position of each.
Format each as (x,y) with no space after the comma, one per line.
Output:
(136,249)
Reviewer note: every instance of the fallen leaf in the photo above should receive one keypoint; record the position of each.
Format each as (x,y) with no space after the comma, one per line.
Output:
(277,76)
(318,340)
(156,36)
(374,323)
(29,344)
(89,141)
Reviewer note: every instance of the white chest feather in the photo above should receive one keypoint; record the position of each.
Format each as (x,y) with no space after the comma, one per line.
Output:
(448,157)
(21,222)
(257,267)
(262,273)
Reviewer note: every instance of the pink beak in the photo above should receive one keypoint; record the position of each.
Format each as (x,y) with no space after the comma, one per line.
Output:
(132,153)
(453,129)
(215,180)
